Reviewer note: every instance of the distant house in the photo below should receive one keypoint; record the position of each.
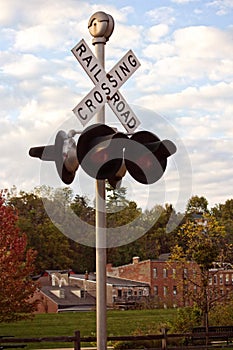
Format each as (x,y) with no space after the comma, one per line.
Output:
(55,294)
(121,292)
(63,291)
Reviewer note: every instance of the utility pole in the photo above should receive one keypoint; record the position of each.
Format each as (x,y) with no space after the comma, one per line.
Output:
(101,26)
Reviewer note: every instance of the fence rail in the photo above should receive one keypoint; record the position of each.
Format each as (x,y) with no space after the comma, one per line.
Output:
(164,337)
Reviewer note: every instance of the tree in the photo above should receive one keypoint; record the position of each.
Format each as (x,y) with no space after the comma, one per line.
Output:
(16,267)
(224,214)
(201,243)
(159,238)
(121,212)
(42,235)
(197,205)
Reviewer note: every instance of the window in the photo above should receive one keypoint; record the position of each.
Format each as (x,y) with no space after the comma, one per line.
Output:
(174,273)
(165,290)
(140,293)
(156,290)
(185,273)
(210,281)
(227,278)
(221,279)
(164,273)
(174,290)
(215,279)
(195,289)
(155,273)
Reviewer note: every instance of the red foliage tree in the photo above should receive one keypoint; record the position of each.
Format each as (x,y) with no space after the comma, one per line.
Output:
(16,267)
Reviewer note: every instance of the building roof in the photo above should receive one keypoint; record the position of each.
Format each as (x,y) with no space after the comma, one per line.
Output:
(72,297)
(114,281)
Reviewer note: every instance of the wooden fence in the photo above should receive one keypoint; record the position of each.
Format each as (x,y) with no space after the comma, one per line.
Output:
(7,342)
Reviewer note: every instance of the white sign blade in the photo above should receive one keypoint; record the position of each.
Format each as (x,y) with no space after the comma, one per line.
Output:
(107,85)
(121,72)
(89,62)
(123,112)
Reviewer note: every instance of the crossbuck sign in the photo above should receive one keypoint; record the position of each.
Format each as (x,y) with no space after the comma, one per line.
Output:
(106,87)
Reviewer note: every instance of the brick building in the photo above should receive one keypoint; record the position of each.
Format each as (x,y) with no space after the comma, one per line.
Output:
(173,283)
(163,282)
(56,294)
(120,292)
(62,291)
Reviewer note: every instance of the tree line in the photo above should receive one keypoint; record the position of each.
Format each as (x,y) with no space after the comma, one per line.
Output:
(57,251)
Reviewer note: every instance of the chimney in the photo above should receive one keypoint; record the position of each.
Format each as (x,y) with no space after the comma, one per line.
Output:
(136,259)
(62,293)
(109,267)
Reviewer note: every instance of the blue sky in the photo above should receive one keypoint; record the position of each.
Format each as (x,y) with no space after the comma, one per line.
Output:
(182,91)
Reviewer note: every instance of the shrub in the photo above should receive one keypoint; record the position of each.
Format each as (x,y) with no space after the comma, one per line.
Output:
(187,318)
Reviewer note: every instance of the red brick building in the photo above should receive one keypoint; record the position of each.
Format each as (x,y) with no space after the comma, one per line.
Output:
(56,294)
(173,283)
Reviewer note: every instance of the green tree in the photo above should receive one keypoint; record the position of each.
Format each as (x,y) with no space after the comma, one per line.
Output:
(197,205)
(53,249)
(224,214)
(158,239)
(83,256)
(186,319)
(221,314)
(201,243)
(120,212)
(16,267)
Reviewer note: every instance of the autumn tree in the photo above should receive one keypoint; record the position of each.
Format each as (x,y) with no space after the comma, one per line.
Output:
(42,235)
(159,238)
(197,205)
(16,267)
(224,214)
(201,242)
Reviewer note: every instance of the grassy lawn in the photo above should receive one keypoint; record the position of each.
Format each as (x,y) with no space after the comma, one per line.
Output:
(118,323)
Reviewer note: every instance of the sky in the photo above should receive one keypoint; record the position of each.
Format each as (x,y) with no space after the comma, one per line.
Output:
(182,91)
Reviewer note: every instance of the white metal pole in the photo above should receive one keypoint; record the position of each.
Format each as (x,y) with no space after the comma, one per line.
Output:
(101,26)
(101,312)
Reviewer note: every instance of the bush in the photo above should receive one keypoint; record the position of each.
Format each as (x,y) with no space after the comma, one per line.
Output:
(221,315)
(187,318)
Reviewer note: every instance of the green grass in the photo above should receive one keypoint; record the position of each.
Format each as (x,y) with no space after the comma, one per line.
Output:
(65,324)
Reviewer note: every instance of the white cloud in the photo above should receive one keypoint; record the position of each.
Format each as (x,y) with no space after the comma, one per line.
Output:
(223,6)
(183,1)
(211,97)
(162,14)
(203,41)
(25,66)
(188,57)
(155,33)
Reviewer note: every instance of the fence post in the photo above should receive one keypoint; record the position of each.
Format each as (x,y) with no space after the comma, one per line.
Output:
(77,345)
(164,339)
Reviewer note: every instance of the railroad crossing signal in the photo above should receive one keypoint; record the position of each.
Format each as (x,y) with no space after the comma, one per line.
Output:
(106,87)
(63,153)
(104,153)
(146,156)
(101,151)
